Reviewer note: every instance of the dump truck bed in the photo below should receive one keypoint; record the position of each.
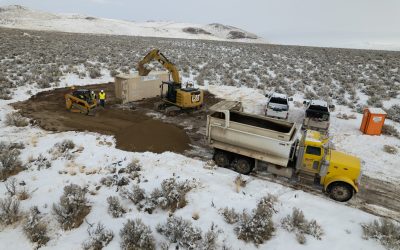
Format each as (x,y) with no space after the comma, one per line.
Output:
(255,136)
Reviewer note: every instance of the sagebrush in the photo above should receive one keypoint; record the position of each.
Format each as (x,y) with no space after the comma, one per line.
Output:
(383,230)
(99,237)
(35,228)
(135,235)
(72,208)
(297,223)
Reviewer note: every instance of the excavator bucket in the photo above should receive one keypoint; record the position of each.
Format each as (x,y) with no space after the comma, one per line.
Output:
(142,70)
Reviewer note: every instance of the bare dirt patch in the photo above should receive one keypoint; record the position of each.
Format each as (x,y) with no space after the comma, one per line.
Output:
(133,129)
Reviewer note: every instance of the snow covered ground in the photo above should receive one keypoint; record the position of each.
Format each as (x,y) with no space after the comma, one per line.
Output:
(215,189)
(23,18)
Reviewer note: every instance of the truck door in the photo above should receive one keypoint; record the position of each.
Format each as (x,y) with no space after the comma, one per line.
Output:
(312,159)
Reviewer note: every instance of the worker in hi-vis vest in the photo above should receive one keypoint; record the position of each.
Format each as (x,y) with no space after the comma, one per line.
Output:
(102,98)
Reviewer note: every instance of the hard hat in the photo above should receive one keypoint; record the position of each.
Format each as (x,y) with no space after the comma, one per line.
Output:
(101,91)
(92,92)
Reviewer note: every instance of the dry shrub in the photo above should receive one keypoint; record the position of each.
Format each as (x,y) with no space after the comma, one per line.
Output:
(383,230)
(171,195)
(181,231)
(41,162)
(230,215)
(390,130)
(136,235)
(63,149)
(390,149)
(258,226)
(393,113)
(16,119)
(99,237)
(72,208)
(239,183)
(9,162)
(35,228)
(107,181)
(135,194)
(9,211)
(114,207)
(297,223)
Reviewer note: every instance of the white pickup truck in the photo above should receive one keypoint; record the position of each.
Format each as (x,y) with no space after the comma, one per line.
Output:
(277,105)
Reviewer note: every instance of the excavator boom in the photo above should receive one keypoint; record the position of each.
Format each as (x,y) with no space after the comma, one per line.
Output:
(155,54)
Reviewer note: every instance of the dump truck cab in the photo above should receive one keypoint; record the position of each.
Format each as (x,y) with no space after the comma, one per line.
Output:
(337,172)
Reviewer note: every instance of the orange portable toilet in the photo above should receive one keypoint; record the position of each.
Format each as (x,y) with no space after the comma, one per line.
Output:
(373,121)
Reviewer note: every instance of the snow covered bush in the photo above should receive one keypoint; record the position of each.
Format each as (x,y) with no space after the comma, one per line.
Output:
(9,211)
(16,119)
(107,181)
(390,149)
(258,226)
(12,189)
(63,149)
(65,145)
(134,166)
(136,235)
(41,162)
(114,207)
(230,215)
(182,232)
(297,223)
(375,101)
(72,208)
(9,162)
(390,130)
(174,194)
(171,195)
(209,241)
(383,230)
(393,113)
(239,183)
(35,228)
(94,73)
(99,237)
(135,194)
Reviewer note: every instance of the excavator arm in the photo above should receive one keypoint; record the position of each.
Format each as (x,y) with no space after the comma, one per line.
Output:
(155,54)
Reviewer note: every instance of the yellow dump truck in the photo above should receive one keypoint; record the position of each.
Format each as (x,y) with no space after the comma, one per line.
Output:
(248,142)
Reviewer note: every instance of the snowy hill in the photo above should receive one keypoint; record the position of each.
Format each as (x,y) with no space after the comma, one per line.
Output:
(16,16)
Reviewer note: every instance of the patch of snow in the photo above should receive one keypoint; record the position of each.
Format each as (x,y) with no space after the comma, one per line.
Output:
(24,18)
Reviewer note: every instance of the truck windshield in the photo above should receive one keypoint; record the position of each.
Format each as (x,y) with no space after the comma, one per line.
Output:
(278,100)
(318,108)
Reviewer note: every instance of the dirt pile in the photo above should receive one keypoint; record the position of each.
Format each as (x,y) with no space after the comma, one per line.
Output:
(133,129)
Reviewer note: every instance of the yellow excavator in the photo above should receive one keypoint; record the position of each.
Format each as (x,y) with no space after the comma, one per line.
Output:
(177,97)
(81,101)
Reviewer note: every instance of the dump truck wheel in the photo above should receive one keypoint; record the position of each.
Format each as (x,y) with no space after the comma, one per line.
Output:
(243,165)
(340,191)
(222,159)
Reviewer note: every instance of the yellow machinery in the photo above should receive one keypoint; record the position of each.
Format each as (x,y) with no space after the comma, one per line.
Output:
(80,101)
(177,97)
(338,173)
(248,142)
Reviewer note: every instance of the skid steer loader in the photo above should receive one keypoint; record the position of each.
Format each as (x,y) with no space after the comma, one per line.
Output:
(80,101)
